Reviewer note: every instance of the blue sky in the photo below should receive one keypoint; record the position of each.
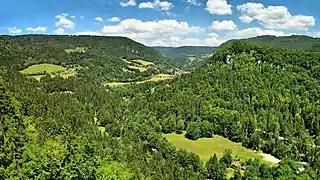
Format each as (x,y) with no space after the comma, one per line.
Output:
(162,22)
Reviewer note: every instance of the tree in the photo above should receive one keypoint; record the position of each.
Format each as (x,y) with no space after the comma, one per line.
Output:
(193,131)
(236,175)
(227,159)
(215,170)
(206,129)
(180,126)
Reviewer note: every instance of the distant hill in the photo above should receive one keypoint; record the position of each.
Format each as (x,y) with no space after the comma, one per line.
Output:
(186,54)
(299,42)
(108,58)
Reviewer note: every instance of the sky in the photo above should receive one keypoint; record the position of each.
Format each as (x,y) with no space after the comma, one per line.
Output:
(162,22)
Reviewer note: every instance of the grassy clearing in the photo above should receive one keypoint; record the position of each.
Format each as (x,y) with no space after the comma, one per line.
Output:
(143,63)
(156,78)
(41,68)
(78,49)
(51,69)
(206,147)
(141,69)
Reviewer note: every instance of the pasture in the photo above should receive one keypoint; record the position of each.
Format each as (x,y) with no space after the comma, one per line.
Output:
(143,62)
(141,69)
(41,68)
(206,147)
(155,78)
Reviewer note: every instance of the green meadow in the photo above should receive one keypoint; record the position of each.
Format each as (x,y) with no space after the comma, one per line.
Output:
(206,147)
(41,68)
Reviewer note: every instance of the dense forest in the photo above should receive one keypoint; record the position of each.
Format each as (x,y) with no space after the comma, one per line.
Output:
(299,42)
(266,98)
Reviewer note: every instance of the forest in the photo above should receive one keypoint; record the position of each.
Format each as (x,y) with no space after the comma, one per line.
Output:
(264,97)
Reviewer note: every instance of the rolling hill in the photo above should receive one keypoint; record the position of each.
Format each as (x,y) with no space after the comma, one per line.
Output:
(105,58)
(299,42)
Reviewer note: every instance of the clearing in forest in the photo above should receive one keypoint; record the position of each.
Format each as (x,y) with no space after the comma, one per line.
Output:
(38,70)
(78,49)
(155,78)
(141,69)
(206,147)
(143,62)
(41,68)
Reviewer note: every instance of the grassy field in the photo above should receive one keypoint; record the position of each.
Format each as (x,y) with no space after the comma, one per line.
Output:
(206,147)
(156,78)
(40,68)
(141,69)
(142,62)
(51,69)
(78,49)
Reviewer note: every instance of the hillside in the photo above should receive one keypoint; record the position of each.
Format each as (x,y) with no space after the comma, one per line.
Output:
(299,42)
(251,100)
(106,58)
(186,55)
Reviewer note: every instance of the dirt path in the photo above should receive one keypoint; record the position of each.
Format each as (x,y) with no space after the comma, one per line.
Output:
(270,158)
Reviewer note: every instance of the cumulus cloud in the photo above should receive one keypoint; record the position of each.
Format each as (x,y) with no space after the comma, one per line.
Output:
(81,17)
(59,31)
(14,30)
(73,17)
(134,28)
(114,19)
(98,19)
(157,4)
(218,7)
(223,25)
(194,2)
(129,3)
(274,17)
(37,29)
(63,22)
(253,32)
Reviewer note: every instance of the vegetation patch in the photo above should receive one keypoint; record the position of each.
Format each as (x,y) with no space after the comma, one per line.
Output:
(42,68)
(141,69)
(155,78)
(78,49)
(143,62)
(206,147)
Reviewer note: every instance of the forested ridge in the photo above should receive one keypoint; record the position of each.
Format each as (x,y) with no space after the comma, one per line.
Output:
(100,57)
(75,128)
(299,42)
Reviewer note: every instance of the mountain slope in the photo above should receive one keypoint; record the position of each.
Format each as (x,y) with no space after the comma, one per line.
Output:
(299,42)
(102,57)
(186,55)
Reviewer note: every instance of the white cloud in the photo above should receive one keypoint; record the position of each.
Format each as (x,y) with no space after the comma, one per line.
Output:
(194,2)
(99,19)
(246,19)
(157,4)
(253,32)
(149,29)
(218,7)
(37,29)
(73,17)
(223,25)
(274,17)
(59,31)
(81,17)
(129,3)
(177,41)
(14,30)
(63,22)
(89,33)
(114,19)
